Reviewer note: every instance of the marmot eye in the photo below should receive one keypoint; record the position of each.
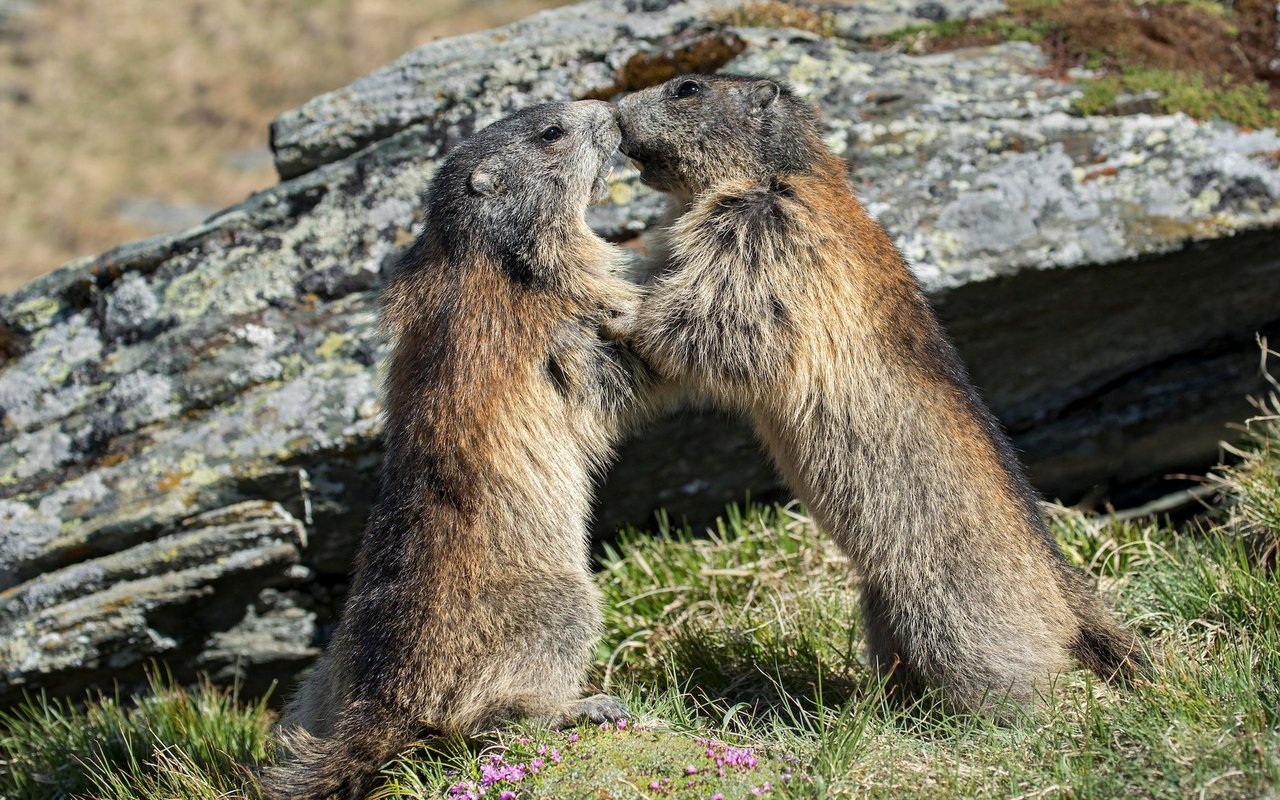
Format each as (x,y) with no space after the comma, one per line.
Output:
(551,134)
(688,89)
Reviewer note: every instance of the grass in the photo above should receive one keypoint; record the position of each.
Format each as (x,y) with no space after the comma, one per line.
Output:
(172,742)
(739,649)
(1193,94)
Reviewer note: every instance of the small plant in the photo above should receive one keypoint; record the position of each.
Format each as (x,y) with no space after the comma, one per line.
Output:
(167,742)
(1246,104)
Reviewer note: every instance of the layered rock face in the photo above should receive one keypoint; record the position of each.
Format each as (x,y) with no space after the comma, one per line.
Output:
(190,424)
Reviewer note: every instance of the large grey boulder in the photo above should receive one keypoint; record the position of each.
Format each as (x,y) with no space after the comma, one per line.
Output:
(1104,277)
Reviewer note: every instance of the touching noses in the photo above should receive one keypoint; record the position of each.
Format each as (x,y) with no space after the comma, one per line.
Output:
(603,116)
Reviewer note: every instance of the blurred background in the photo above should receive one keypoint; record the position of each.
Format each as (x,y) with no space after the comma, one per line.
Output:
(124,119)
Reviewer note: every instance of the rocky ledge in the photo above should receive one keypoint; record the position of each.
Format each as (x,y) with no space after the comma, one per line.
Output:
(190,423)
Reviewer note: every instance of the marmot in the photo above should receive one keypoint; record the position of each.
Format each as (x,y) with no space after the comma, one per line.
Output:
(472,600)
(780,297)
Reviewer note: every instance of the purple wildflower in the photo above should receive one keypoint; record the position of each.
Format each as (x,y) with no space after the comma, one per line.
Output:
(691,770)
(506,773)
(464,791)
(726,757)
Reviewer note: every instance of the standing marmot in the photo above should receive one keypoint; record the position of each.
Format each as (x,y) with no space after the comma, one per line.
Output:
(472,600)
(779,296)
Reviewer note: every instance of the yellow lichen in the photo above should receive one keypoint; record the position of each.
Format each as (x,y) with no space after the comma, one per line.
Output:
(331,345)
(36,312)
(620,194)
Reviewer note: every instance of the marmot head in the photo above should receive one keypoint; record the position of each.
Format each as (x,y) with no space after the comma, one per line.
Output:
(696,131)
(523,182)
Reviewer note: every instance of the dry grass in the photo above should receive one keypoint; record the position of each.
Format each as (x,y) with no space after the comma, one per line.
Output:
(155,98)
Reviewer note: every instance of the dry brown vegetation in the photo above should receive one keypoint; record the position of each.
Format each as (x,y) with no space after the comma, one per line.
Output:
(1216,39)
(170,100)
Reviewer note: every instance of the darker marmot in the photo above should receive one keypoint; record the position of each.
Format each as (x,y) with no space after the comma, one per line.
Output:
(779,296)
(472,600)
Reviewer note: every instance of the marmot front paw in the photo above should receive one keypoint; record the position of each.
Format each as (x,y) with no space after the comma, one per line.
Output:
(596,709)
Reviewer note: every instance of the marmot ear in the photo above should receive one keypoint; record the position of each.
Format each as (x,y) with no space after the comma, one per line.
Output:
(761,95)
(487,178)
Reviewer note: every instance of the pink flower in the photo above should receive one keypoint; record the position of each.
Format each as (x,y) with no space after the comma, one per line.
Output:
(463,791)
(718,796)
(622,724)
(536,764)
(555,756)
(742,759)
(507,795)
(507,773)
(761,790)
(691,770)
(573,738)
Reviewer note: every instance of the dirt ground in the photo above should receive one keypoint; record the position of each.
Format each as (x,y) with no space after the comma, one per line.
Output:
(123,119)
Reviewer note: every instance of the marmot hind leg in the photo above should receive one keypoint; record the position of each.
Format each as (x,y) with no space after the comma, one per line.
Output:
(924,658)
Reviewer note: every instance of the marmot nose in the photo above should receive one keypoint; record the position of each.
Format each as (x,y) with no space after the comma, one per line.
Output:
(600,111)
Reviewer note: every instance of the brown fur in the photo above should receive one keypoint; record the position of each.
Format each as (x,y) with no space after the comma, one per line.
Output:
(472,601)
(779,296)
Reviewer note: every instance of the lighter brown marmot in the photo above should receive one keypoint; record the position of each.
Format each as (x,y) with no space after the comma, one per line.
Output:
(472,601)
(780,297)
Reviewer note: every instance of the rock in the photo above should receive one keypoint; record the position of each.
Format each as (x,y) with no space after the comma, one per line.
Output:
(1104,278)
(183,596)
(456,85)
